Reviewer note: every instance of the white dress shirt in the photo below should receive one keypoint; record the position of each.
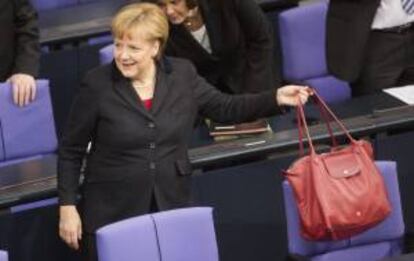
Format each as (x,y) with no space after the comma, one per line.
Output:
(389,14)
(201,36)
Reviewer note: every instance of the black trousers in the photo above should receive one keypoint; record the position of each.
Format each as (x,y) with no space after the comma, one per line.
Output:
(388,62)
(88,244)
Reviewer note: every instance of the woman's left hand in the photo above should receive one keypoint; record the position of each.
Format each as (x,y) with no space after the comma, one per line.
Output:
(288,95)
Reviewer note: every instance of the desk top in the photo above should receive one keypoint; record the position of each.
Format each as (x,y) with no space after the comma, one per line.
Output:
(77,22)
(28,181)
(84,21)
(36,179)
(362,116)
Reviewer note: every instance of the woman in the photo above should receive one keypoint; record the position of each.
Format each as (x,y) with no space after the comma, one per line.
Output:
(229,42)
(138,113)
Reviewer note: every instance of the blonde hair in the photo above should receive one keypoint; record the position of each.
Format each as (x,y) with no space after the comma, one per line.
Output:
(146,18)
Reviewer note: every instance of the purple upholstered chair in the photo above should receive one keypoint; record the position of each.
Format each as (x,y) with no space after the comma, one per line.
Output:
(106,54)
(4,256)
(103,40)
(302,37)
(2,152)
(383,240)
(183,234)
(41,5)
(130,239)
(27,131)
(186,234)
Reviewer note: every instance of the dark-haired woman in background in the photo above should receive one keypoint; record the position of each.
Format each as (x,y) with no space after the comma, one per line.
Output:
(229,42)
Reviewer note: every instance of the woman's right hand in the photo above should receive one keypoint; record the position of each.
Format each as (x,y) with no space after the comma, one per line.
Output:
(70,226)
(290,95)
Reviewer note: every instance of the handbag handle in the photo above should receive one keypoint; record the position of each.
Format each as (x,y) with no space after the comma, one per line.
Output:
(326,118)
(333,116)
(326,112)
(300,114)
(302,121)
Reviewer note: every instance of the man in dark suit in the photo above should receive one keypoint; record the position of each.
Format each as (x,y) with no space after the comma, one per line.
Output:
(371,43)
(19,48)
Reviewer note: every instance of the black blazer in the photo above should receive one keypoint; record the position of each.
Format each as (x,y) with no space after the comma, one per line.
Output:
(242,58)
(136,152)
(19,39)
(348,27)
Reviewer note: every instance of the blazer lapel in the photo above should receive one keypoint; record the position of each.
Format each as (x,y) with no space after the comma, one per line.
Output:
(123,87)
(162,84)
(212,20)
(179,34)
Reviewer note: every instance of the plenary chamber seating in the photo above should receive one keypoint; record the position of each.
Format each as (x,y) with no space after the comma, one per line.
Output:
(26,132)
(106,54)
(41,5)
(3,256)
(302,37)
(381,241)
(185,234)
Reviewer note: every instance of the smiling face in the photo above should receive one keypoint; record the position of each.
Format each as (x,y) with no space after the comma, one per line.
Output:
(134,54)
(176,10)
(140,31)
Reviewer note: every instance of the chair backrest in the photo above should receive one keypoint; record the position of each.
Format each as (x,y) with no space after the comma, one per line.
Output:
(130,239)
(41,5)
(392,228)
(29,130)
(182,234)
(302,38)
(106,54)
(2,152)
(4,255)
(101,40)
(186,235)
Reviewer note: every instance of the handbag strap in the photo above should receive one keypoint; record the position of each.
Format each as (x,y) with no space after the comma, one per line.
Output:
(302,120)
(300,114)
(326,113)
(333,116)
(300,129)
(327,119)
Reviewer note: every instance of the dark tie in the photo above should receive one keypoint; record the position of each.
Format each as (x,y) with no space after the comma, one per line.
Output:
(408,6)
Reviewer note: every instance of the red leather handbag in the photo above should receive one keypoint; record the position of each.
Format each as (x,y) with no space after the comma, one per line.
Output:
(340,193)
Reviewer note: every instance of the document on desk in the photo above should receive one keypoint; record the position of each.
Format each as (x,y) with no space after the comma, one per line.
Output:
(404,93)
